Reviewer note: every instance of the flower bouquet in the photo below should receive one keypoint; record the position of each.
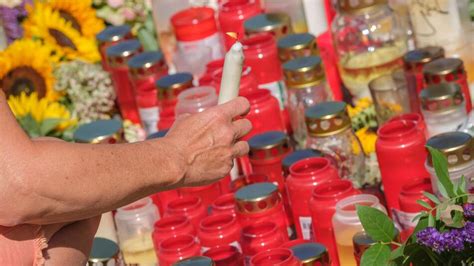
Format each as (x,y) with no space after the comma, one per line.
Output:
(444,234)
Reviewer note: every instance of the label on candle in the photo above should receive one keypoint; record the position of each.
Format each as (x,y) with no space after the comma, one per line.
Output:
(278,90)
(404,220)
(305,223)
(213,43)
(149,117)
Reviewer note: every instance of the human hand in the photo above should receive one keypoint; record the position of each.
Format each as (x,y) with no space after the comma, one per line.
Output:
(209,141)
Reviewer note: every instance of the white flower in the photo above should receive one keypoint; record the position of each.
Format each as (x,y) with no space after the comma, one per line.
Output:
(10,3)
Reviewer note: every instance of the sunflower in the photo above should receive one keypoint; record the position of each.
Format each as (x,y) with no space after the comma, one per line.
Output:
(27,65)
(47,24)
(80,14)
(42,111)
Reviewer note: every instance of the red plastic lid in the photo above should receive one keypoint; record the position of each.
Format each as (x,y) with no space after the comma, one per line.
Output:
(194,23)
(261,54)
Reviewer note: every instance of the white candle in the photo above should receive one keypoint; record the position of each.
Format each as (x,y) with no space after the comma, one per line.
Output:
(231,73)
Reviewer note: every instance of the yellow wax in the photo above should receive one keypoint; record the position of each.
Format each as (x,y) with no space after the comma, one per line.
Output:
(344,245)
(139,250)
(346,255)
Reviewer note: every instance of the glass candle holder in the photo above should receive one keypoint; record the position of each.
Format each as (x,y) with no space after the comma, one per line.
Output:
(294,9)
(297,45)
(361,242)
(390,94)
(311,254)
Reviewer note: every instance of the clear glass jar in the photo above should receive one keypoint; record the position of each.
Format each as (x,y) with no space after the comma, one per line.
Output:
(306,86)
(135,226)
(346,224)
(443,108)
(294,8)
(457,147)
(329,130)
(370,41)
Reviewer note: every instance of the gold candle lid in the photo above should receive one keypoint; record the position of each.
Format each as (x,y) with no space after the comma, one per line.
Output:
(327,118)
(279,24)
(297,45)
(119,54)
(103,250)
(443,70)
(303,72)
(114,34)
(310,254)
(441,97)
(146,64)
(170,86)
(356,5)
(361,242)
(268,145)
(421,56)
(458,148)
(257,197)
(195,261)
(100,132)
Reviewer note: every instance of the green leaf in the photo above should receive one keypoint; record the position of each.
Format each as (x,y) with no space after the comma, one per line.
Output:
(445,186)
(397,253)
(431,220)
(419,216)
(424,204)
(378,254)
(432,197)
(48,125)
(458,219)
(462,186)
(376,223)
(147,40)
(29,124)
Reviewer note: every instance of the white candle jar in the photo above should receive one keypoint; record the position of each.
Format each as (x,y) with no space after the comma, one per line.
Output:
(458,149)
(443,108)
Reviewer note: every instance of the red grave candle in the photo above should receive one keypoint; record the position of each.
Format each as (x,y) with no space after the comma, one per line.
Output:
(189,206)
(207,193)
(225,256)
(110,36)
(259,237)
(219,230)
(224,204)
(277,256)
(176,248)
(170,226)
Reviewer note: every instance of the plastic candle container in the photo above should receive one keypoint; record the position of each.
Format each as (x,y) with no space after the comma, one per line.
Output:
(232,15)
(414,117)
(413,62)
(196,100)
(323,206)
(278,24)
(145,69)
(404,141)
(177,248)
(297,45)
(294,8)
(305,175)
(261,55)
(311,254)
(135,226)
(225,256)
(409,208)
(118,56)
(261,202)
(458,149)
(261,236)
(110,36)
(196,261)
(329,130)
(207,193)
(443,108)
(304,77)
(174,225)
(448,70)
(224,204)
(346,224)
(189,206)
(219,230)
(196,28)
(296,156)
(276,256)
(263,106)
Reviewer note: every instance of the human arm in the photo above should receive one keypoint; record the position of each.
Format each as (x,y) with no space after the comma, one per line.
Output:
(49,181)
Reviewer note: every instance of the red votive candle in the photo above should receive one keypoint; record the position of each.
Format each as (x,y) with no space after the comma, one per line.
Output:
(323,206)
(176,248)
(145,69)
(305,175)
(207,193)
(259,237)
(414,117)
(110,36)
(219,230)
(248,81)
(261,202)
(401,154)
(224,204)
(225,256)
(118,56)
(189,206)
(276,256)
(170,226)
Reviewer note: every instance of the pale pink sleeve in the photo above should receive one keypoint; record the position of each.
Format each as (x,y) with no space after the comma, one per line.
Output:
(22,245)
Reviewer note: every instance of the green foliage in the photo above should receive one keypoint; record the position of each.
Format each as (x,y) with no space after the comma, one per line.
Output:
(378,254)
(36,129)
(376,223)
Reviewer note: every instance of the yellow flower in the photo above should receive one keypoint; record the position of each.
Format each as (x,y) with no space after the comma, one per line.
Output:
(27,65)
(367,139)
(81,15)
(45,23)
(359,106)
(40,109)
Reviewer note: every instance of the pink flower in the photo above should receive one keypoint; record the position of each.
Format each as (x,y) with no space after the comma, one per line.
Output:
(115,3)
(128,13)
